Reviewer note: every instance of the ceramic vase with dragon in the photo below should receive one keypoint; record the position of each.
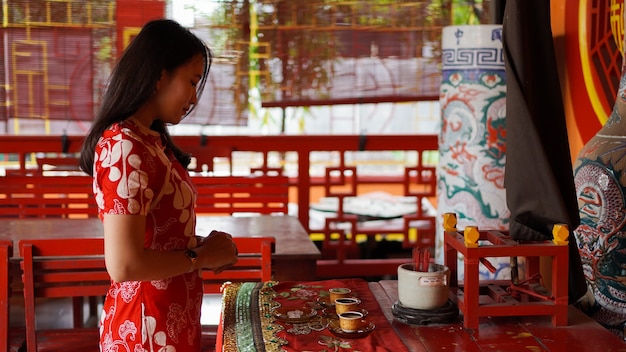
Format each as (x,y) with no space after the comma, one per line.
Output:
(600,179)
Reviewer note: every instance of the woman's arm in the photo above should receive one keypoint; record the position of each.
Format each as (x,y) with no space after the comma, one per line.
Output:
(127,259)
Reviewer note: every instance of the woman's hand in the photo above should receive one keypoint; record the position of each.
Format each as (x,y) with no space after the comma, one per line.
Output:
(217,251)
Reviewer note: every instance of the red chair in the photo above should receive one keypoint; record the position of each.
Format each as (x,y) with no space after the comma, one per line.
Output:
(55,268)
(254,264)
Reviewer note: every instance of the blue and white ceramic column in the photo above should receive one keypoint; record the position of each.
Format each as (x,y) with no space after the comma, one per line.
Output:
(470,174)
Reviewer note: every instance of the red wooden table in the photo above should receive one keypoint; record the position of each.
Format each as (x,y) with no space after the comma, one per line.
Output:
(295,255)
(528,333)
(294,258)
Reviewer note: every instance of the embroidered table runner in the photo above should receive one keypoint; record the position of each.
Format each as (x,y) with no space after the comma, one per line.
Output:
(253,319)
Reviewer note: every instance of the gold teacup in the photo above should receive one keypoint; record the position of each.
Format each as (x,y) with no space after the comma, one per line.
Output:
(351,321)
(347,304)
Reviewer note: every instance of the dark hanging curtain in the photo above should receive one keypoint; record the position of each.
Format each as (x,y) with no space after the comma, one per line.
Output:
(539,179)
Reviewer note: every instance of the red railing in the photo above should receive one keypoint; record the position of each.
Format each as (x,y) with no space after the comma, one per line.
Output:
(322,169)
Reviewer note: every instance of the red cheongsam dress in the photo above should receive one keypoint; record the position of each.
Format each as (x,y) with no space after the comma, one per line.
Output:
(135,174)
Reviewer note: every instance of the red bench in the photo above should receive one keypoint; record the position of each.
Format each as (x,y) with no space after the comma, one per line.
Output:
(37,196)
(228,195)
(62,268)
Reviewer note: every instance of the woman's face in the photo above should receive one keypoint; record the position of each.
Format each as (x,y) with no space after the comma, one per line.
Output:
(176,90)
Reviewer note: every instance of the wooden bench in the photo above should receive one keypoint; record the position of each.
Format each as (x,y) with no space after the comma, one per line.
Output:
(63,268)
(228,195)
(58,163)
(38,196)
(54,268)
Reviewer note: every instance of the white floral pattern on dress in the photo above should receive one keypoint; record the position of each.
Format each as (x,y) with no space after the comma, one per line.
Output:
(135,175)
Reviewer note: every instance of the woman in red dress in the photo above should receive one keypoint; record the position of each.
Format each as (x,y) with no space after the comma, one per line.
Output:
(145,196)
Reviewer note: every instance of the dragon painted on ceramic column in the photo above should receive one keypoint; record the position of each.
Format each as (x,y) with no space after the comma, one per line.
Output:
(472,152)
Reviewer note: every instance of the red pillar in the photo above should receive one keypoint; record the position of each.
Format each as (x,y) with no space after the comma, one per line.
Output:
(131,15)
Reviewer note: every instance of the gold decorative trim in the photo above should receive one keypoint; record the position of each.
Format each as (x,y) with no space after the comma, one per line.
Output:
(229,304)
(267,303)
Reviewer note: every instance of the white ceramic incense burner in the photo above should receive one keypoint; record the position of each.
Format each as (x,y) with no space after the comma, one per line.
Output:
(423,289)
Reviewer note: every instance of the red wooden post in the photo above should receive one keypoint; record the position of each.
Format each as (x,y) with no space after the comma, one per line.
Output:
(131,15)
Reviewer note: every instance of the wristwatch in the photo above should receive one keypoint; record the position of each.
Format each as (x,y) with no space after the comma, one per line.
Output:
(193,256)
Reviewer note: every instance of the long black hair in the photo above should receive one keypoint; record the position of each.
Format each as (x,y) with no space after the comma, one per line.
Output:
(160,45)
